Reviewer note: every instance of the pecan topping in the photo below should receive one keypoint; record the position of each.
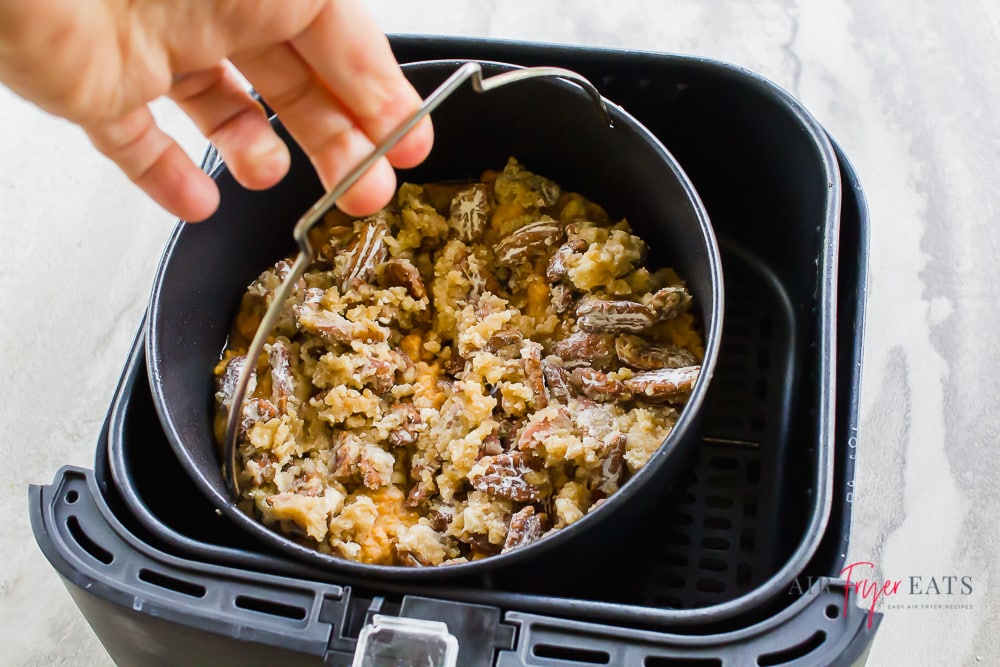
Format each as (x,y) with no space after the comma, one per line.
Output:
(504,343)
(522,243)
(596,385)
(469,213)
(526,526)
(401,272)
(379,374)
(334,327)
(562,297)
(558,264)
(282,381)
(347,451)
(557,380)
(481,544)
(585,348)
(256,410)
(455,364)
(409,559)
(365,252)
(536,432)
(612,467)
(531,360)
(600,316)
(409,424)
(643,355)
(480,276)
(507,431)
(441,517)
(490,446)
(670,302)
(665,384)
(230,378)
(351,457)
(513,476)
(418,495)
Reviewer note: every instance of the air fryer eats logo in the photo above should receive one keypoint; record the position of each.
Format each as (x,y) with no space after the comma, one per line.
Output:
(944,592)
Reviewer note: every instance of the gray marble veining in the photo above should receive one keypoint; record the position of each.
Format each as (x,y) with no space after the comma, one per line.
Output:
(908,89)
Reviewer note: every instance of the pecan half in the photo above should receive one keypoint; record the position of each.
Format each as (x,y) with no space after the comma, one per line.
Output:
(470,213)
(513,476)
(562,297)
(557,380)
(346,453)
(526,526)
(518,246)
(481,544)
(601,316)
(507,431)
(644,355)
(558,266)
(491,446)
(598,386)
(531,361)
(371,462)
(585,348)
(230,378)
(455,364)
(409,426)
(612,467)
(282,381)
(665,384)
(401,272)
(670,302)
(364,253)
(441,517)
(504,343)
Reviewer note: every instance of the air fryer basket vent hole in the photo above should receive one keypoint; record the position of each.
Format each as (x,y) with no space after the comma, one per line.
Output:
(571,654)
(710,586)
(713,564)
(832,611)
(666,661)
(270,607)
(98,552)
(719,502)
(715,543)
(72,496)
(672,581)
(718,523)
(172,583)
(793,652)
(724,462)
(763,358)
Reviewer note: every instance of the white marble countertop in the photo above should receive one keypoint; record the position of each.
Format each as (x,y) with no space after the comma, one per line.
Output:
(906,86)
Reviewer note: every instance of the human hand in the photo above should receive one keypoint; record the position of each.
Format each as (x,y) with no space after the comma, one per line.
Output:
(322,65)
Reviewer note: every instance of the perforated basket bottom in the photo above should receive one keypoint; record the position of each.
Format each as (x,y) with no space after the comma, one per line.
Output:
(721,523)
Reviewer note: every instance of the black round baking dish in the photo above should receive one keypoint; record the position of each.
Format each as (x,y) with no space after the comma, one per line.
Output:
(552,127)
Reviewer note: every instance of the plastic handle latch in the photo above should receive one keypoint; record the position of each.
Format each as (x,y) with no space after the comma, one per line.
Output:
(391,641)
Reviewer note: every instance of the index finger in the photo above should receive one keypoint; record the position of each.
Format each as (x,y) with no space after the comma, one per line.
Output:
(348,51)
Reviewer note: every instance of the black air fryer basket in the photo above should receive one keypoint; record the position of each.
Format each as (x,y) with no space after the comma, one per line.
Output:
(739,566)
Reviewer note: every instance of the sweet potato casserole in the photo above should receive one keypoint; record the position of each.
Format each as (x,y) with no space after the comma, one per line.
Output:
(461,374)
